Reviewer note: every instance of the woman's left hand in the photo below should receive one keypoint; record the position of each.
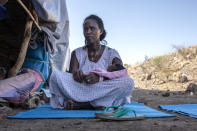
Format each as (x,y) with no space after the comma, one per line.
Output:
(91,78)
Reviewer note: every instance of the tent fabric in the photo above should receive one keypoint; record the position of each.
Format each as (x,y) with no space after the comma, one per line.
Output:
(54,21)
(46,11)
(45,112)
(185,109)
(17,89)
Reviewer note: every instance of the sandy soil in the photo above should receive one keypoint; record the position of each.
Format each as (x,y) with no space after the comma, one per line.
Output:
(150,98)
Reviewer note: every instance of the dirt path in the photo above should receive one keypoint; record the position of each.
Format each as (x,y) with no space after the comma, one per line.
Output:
(150,98)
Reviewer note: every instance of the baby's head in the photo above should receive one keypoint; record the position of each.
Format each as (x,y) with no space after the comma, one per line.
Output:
(116,67)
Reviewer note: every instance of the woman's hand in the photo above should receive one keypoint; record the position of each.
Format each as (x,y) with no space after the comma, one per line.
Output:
(91,78)
(78,76)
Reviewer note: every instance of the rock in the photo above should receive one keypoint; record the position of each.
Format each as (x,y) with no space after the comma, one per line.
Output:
(181,93)
(1,118)
(5,110)
(154,88)
(173,77)
(77,123)
(174,93)
(183,78)
(148,77)
(186,121)
(192,87)
(166,94)
(153,76)
(156,93)
(158,82)
(191,93)
(143,100)
(143,78)
(155,123)
(176,119)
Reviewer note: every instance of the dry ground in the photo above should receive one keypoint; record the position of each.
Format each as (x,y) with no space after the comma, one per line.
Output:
(150,98)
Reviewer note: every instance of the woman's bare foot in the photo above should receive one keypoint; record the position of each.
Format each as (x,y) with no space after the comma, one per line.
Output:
(44,98)
(99,108)
(73,105)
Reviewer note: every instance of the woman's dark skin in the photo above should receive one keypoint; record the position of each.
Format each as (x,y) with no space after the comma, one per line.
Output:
(92,34)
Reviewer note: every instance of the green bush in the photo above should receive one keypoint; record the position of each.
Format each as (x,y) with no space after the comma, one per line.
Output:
(158,62)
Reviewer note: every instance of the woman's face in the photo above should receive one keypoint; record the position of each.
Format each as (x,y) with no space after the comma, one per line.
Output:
(91,31)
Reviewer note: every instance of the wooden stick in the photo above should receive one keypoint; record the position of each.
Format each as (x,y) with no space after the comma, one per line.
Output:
(21,57)
(29,13)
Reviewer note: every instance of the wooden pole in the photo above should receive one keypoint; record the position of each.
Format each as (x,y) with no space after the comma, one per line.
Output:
(29,13)
(21,57)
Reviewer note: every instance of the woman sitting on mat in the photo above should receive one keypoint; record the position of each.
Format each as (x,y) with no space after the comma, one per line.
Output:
(84,87)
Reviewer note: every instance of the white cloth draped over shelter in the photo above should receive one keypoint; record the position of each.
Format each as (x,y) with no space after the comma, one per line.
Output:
(53,18)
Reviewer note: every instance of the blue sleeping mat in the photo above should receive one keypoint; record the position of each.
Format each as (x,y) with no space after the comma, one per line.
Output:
(45,111)
(185,109)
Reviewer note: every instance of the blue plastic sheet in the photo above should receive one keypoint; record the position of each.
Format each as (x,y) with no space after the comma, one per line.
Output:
(44,112)
(38,59)
(185,109)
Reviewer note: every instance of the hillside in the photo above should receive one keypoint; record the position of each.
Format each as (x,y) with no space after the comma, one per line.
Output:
(173,71)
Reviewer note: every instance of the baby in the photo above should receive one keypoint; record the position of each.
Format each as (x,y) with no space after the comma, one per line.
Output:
(115,67)
(113,71)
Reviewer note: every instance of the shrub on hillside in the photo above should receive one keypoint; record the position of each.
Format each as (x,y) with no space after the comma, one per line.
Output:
(181,51)
(158,62)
